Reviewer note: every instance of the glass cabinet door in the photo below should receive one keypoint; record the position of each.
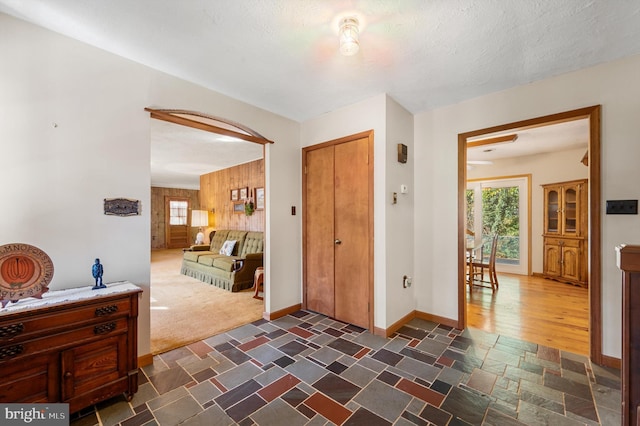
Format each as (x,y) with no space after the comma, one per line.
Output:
(553,205)
(569,210)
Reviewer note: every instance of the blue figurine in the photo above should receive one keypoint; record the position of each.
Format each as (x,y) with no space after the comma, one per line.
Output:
(97,270)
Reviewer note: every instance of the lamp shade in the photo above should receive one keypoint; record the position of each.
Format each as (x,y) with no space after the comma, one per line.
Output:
(199,218)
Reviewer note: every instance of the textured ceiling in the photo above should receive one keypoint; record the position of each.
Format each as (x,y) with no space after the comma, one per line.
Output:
(282,55)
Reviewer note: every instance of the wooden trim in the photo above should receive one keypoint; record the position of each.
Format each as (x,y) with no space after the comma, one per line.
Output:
(440,320)
(612,362)
(595,229)
(270,316)
(593,114)
(168,115)
(462,202)
(144,360)
(492,141)
(388,332)
(369,134)
(398,324)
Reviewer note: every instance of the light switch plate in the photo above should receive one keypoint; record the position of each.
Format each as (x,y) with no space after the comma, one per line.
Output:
(622,206)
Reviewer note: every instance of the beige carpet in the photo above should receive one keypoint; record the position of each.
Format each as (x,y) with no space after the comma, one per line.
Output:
(185,310)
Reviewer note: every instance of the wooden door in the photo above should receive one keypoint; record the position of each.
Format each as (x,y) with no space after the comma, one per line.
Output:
(177,222)
(351,232)
(338,229)
(319,232)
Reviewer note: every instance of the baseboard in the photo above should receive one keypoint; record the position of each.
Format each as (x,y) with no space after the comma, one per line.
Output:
(612,362)
(270,316)
(398,324)
(145,360)
(387,332)
(440,320)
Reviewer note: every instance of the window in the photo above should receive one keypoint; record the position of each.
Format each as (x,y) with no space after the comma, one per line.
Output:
(178,212)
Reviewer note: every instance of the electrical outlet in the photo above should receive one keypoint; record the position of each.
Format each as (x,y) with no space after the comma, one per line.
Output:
(406,282)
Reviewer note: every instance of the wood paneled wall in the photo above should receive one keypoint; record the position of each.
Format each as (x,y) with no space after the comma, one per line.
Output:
(215,194)
(158,195)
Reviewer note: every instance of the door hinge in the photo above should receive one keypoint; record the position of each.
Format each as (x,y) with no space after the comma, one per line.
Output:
(368,306)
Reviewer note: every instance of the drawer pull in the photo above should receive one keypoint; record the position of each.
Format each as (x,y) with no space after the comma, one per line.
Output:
(104,328)
(11,330)
(11,351)
(106,310)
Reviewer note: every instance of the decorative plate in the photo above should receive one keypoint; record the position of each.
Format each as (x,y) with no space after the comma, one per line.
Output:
(25,271)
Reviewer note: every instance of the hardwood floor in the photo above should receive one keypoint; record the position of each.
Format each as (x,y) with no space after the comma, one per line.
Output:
(534,309)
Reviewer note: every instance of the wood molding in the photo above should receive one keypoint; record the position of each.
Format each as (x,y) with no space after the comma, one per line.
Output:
(593,114)
(398,324)
(270,316)
(492,141)
(611,362)
(144,360)
(178,117)
(388,332)
(440,320)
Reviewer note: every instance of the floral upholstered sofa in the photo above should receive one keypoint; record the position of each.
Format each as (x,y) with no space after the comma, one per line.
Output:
(232,268)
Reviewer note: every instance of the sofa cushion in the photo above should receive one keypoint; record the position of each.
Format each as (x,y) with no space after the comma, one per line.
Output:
(239,236)
(227,247)
(206,260)
(218,240)
(253,243)
(225,263)
(194,255)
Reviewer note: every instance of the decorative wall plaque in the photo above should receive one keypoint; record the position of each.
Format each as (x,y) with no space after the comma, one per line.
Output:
(25,271)
(121,207)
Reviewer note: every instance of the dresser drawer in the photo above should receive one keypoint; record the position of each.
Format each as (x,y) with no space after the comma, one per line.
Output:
(63,339)
(47,323)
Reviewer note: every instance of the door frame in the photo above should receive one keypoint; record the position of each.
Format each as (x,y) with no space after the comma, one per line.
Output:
(593,114)
(369,135)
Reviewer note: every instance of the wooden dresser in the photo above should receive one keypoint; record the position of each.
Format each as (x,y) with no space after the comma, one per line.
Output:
(75,346)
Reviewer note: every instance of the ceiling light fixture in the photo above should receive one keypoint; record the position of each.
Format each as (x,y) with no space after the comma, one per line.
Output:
(349,44)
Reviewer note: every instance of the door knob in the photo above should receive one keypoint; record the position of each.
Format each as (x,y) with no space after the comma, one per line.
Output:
(337,242)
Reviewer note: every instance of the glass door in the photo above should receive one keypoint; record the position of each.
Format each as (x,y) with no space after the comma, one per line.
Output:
(501,207)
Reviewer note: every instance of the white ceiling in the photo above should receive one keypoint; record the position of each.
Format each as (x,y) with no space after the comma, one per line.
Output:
(532,141)
(282,55)
(179,154)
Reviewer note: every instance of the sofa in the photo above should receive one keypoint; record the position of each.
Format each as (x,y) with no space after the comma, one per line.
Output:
(233,270)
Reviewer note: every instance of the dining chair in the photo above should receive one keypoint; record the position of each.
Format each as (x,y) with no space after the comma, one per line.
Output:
(478,266)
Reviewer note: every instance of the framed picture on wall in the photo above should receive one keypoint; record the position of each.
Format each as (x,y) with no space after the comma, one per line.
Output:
(238,207)
(244,193)
(259,198)
(235,194)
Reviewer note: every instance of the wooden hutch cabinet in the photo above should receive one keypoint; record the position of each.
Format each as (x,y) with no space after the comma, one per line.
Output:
(75,346)
(566,232)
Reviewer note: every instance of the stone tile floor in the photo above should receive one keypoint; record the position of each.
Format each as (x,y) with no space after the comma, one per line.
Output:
(308,369)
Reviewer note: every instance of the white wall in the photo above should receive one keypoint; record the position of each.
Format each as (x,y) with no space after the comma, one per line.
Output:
(362,116)
(393,225)
(614,86)
(559,166)
(399,238)
(55,178)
